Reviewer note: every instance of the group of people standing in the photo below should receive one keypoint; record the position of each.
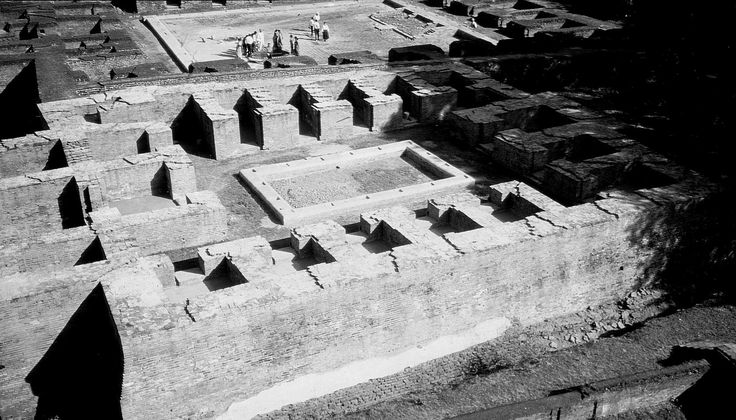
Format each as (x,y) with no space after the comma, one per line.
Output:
(252,43)
(294,44)
(318,28)
(255,42)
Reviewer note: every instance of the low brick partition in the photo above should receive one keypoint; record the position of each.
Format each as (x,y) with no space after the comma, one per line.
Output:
(528,22)
(448,179)
(415,53)
(380,112)
(501,18)
(221,115)
(110,141)
(220,126)
(275,125)
(637,165)
(133,105)
(44,213)
(329,119)
(529,28)
(168,40)
(30,153)
(609,397)
(38,203)
(44,252)
(426,101)
(433,92)
(353,57)
(574,153)
(167,172)
(289,61)
(198,219)
(534,113)
(465,7)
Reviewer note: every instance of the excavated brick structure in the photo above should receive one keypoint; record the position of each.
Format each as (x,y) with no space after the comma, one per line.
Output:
(250,314)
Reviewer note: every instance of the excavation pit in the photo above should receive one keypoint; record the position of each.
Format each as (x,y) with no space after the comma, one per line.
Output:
(337,184)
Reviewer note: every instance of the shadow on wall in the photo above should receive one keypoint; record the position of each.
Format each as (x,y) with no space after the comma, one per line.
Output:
(57,157)
(346,94)
(81,374)
(18,105)
(305,124)
(693,246)
(189,132)
(93,253)
(246,122)
(70,206)
(160,183)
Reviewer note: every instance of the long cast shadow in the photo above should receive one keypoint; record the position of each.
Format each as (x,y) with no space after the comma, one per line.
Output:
(81,374)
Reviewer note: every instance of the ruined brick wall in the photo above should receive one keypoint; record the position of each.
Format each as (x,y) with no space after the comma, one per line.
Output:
(138,175)
(23,155)
(115,141)
(42,213)
(29,205)
(142,179)
(607,398)
(31,317)
(246,339)
(202,222)
(49,251)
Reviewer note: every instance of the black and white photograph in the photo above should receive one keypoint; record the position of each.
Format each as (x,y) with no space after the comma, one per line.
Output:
(367,209)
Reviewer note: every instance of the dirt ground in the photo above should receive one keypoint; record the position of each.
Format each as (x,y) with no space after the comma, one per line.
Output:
(213,35)
(148,44)
(622,338)
(348,181)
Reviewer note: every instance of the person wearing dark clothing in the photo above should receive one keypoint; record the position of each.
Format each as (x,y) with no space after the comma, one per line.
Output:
(325,31)
(249,50)
(278,45)
(296,46)
(315,30)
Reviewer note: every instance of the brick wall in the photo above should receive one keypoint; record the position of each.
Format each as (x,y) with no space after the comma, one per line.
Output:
(198,223)
(249,337)
(196,359)
(50,251)
(23,155)
(31,317)
(113,141)
(29,205)
(132,181)
(139,175)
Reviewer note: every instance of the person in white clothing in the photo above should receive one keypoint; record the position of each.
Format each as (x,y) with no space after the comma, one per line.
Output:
(260,40)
